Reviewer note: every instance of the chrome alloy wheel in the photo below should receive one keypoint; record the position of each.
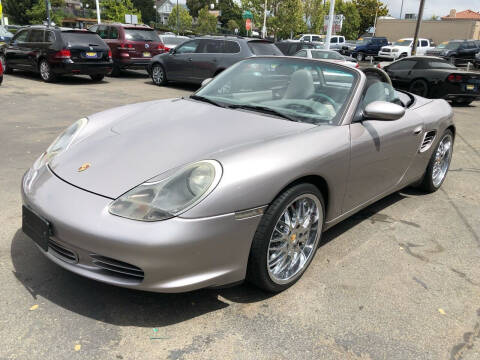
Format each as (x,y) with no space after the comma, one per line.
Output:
(44,70)
(294,238)
(158,74)
(443,157)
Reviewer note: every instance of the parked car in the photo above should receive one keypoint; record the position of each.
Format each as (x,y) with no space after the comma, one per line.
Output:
(434,77)
(348,47)
(337,42)
(1,73)
(403,48)
(456,51)
(291,47)
(205,57)
(53,51)
(13,28)
(330,55)
(368,46)
(311,38)
(477,60)
(5,35)
(172,41)
(133,46)
(237,181)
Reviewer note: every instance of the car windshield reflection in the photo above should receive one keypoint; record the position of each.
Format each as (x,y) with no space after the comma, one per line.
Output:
(302,90)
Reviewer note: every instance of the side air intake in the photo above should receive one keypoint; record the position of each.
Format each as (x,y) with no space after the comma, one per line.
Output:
(427,141)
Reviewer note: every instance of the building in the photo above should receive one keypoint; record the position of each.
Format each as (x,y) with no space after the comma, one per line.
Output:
(78,15)
(411,16)
(164,9)
(456,25)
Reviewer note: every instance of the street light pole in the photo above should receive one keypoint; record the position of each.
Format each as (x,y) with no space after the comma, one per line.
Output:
(47,6)
(417,28)
(401,10)
(2,20)
(98,12)
(264,29)
(178,13)
(376,16)
(156,16)
(330,24)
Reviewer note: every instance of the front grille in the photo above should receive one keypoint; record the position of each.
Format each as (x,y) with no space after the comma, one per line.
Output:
(427,140)
(117,268)
(62,252)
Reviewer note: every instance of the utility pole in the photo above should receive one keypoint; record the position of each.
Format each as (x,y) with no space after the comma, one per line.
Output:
(47,6)
(264,28)
(98,12)
(1,14)
(417,28)
(375,22)
(178,13)
(330,24)
(401,10)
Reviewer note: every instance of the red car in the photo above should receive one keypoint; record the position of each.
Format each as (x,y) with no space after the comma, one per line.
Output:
(132,46)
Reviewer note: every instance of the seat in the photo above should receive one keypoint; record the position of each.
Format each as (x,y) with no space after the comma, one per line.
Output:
(301,85)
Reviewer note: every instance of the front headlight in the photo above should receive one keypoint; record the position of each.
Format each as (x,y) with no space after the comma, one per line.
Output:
(61,143)
(163,199)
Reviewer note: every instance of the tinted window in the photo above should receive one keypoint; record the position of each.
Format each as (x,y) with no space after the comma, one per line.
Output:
(93,28)
(334,40)
(439,64)
(36,36)
(316,38)
(301,53)
(141,35)
(263,48)
(471,45)
(330,55)
(82,38)
(188,47)
(113,32)
(341,40)
(173,40)
(306,38)
(211,47)
(424,43)
(20,37)
(102,31)
(50,36)
(232,47)
(402,65)
(283,47)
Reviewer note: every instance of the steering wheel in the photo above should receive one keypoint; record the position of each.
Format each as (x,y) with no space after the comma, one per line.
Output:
(301,108)
(324,97)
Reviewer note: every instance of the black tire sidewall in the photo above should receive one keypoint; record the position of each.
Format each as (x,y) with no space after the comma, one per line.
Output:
(257,272)
(97,78)
(425,84)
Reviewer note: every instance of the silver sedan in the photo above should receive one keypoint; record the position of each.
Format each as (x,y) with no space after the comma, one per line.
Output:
(237,181)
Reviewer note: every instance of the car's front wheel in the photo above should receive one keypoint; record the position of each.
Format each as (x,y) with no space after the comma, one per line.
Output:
(287,238)
(6,68)
(46,71)
(419,87)
(439,163)
(158,75)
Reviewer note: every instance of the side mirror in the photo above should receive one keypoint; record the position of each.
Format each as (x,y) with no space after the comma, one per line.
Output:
(172,51)
(206,81)
(383,110)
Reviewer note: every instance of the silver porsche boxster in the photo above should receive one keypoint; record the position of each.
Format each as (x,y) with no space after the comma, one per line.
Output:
(237,181)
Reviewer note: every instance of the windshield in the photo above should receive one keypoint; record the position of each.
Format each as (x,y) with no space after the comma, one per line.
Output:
(298,89)
(82,38)
(363,41)
(403,42)
(330,55)
(440,64)
(141,35)
(174,40)
(263,48)
(448,45)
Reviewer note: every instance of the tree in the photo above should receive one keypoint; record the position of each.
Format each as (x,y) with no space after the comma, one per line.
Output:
(184,19)
(114,10)
(232,25)
(196,5)
(207,23)
(367,10)
(314,13)
(229,11)
(17,10)
(38,13)
(146,9)
(435,17)
(352,20)
(289,18)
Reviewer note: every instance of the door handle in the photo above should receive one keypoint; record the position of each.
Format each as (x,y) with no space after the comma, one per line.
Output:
(189,59)
(418,130)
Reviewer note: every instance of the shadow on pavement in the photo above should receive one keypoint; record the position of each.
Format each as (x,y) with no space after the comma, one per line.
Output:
(119,306)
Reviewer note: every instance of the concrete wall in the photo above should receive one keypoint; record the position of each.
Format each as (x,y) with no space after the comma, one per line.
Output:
(437,30)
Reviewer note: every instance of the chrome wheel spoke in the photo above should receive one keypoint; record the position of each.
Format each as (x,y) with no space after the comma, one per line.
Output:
(443,157)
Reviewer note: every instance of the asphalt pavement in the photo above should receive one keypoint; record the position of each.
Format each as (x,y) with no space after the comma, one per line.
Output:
(399,280)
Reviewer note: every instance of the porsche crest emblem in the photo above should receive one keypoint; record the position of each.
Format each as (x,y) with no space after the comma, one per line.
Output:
(84,167)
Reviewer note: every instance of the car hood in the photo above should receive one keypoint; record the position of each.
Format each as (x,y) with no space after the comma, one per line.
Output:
(126,146)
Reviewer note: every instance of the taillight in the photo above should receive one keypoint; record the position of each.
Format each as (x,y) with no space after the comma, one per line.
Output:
(378,66)
(1,69)
(357,65)
(125,47)
(166,48)
(110,54)
(455,78)
(161,47)
(63,54)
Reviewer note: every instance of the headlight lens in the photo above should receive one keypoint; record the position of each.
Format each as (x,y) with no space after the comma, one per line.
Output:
(61,143)
(157,200)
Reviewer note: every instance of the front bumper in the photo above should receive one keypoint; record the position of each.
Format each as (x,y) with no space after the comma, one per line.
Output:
(388,55)
(93,68)
(174,255)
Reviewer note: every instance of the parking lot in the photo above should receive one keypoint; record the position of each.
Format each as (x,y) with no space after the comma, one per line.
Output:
(399,280)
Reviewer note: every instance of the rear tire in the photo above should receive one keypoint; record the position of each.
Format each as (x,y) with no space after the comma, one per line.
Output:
(6,69)
(97,77)
(159,77)
(419,87)
(461,102)
(437,169)
(46,71)
(116,71)
(275,268)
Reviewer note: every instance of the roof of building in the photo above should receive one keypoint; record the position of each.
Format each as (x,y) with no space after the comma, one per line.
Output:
(465,15)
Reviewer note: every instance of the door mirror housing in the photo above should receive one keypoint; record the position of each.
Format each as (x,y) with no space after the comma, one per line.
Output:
(206,81)
(172,51)
(383,110)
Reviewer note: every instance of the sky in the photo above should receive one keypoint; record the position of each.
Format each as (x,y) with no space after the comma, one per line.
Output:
(432,7)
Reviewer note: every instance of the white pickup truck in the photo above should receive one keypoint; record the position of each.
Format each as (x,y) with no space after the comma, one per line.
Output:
(403,48)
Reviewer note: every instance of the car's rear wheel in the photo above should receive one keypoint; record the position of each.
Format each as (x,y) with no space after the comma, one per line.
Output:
(461,102)
(97,77)
(419,87)
(46,71)
(439,163)
(287,238)
(6,68)
(158,75)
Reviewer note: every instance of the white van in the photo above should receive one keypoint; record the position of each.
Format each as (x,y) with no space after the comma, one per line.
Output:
(403,48)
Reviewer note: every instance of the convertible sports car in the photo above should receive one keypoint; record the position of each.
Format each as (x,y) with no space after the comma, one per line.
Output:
(236,181)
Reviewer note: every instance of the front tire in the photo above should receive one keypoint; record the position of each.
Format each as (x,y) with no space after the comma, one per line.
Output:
(287,238)
(419,87)
(439,164)
(97,77)
(159,77)
(46,71)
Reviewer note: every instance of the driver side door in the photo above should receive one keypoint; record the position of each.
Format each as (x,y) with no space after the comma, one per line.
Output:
(178,63)
(381,153)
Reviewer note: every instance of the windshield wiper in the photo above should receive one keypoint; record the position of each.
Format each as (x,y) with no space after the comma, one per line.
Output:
(264,109)
(207,100)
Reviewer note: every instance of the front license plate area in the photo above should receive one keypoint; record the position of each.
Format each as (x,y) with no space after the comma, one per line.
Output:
(147,54)
(91,55)
(35,227)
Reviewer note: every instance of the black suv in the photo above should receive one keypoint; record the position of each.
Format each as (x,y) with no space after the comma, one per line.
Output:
(205,57)
(54,51)
(456,51)
(291,47)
